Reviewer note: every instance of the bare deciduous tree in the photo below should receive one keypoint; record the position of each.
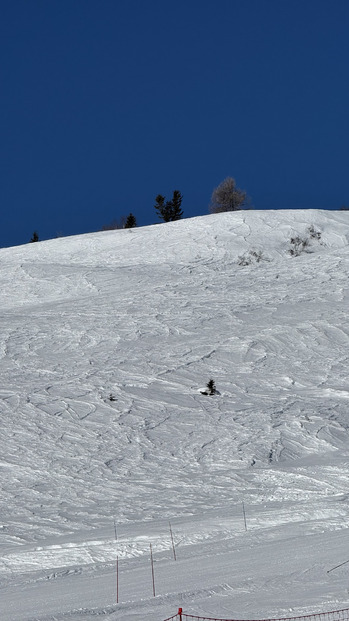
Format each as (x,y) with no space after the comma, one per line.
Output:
(227,197)
(115,224)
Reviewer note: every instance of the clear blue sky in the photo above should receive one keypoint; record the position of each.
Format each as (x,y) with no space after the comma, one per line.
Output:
(106,103)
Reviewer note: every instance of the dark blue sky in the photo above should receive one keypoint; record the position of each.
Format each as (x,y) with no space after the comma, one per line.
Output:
(106,103)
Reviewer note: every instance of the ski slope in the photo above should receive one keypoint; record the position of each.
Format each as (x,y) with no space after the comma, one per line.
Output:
(106,341)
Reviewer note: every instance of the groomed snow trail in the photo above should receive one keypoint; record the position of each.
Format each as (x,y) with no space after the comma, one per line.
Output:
(106,341)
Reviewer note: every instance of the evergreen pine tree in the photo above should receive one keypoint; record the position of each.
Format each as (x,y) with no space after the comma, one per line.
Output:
(130,221)
(162,208)
(170,210)
(176,211)
(35,237)
(211,387)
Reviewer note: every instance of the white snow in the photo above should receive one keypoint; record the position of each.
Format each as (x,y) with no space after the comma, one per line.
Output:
(147,316)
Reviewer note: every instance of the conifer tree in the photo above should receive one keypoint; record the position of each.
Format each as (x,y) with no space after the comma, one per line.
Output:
(211,387)
(35,237)
(130,221)
(169,211)
(176,211)
(161,208)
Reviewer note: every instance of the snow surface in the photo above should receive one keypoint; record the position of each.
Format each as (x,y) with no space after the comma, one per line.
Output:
(147,316)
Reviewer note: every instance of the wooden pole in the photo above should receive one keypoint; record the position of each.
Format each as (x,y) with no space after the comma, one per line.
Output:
(117,579)
(117,565)
(152,568)
(336,567)
(243,510)
(173,546)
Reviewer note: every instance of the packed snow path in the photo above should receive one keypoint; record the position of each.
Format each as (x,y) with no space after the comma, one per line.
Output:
(106,341)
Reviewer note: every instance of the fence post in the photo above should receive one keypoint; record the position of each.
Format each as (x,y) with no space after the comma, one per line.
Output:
(180,610)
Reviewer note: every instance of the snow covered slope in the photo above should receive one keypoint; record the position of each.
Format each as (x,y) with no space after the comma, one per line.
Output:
(106,341)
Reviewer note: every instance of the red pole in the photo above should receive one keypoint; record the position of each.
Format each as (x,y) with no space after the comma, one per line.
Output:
(180,610)
(152,568)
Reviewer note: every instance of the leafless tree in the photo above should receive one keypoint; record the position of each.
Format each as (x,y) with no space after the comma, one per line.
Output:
(115,224)
(227,197)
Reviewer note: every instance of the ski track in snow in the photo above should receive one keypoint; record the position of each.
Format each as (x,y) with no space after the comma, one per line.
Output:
(106,341)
